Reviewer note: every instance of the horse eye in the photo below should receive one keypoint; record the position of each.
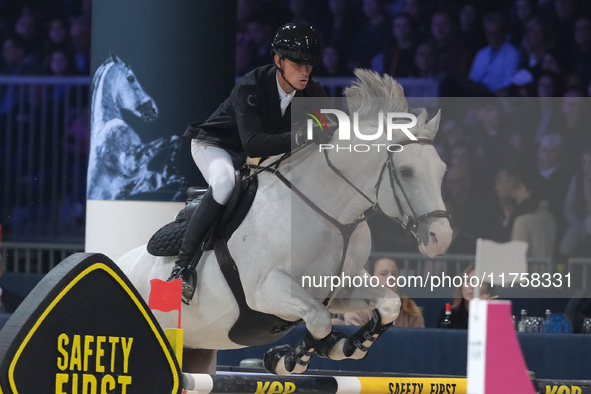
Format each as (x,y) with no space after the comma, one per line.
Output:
(131,78)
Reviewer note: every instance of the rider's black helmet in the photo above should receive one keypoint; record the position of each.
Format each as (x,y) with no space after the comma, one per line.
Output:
(297,42)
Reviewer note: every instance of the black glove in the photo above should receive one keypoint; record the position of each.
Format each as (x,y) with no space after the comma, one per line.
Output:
(319,135)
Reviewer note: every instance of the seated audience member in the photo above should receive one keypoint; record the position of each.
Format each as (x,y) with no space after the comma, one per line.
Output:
(399,58)
(531,219)
(577,211)
(460,306)
(551,167)
(410,314)
(578,309)
(495,64)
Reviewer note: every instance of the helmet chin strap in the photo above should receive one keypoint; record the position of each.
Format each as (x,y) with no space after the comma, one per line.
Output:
(283,76)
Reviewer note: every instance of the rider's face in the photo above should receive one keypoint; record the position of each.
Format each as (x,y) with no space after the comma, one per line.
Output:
(297,74)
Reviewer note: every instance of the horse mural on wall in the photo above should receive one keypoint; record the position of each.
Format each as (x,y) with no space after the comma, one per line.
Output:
(119,160)
(327,234)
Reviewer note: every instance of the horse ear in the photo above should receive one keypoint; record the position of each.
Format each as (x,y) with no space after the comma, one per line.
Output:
(433,125)
(114,58)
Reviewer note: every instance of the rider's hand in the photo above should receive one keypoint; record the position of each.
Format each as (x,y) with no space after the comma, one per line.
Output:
(319,135)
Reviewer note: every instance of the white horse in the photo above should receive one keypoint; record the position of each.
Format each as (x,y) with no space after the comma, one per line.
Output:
(118,159)
(289,234)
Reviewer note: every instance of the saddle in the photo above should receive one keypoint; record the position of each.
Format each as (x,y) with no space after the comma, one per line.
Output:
(252,328)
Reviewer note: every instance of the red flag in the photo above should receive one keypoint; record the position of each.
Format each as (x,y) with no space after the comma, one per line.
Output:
(165,296)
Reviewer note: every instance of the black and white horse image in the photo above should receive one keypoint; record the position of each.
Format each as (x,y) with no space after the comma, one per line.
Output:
(119,160)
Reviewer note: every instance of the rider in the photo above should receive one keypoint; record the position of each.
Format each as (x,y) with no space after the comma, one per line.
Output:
(255,121)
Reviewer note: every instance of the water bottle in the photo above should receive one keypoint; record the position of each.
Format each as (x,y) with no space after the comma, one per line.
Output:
(521,324)
(446,323)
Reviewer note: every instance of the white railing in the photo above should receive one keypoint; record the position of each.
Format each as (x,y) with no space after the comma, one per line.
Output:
(35,258)
(44,133)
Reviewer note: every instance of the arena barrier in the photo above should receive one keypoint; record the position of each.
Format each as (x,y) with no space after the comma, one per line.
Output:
(267,384)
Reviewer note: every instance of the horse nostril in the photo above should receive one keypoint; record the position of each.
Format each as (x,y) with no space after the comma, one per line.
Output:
(433,236)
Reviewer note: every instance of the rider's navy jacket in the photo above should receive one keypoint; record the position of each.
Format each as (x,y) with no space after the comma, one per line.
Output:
(249,121)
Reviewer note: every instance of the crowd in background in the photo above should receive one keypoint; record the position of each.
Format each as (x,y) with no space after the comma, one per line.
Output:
(510,175)
(518,150)
(50,37)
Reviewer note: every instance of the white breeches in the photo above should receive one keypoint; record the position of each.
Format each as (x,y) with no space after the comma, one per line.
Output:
(217,168)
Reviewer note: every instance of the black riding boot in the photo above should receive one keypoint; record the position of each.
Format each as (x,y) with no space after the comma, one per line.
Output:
(197,229)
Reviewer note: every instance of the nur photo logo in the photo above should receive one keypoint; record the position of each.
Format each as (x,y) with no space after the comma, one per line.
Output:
(393,124)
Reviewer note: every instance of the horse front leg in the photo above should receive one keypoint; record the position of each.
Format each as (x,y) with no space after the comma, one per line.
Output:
(386,307)
(280,295)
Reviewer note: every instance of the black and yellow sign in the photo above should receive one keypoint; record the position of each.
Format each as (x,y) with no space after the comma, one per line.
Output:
(85,329)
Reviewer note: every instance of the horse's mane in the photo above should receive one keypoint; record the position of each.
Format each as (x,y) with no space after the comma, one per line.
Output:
(372,93)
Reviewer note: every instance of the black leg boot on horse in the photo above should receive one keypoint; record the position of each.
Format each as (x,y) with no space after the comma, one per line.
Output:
(197,228)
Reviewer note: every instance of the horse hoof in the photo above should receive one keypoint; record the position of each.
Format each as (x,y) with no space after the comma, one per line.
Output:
(273,356)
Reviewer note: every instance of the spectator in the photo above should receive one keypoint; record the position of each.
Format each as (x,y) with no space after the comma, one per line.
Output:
(61,63)
(452,54)
(410,315)
(460,307)
(577,210)
(573,123)
(372,38)
(468,191)
(531,219)
(331,65)
(27,28)
(537,41)
(552,62)
(578,309)
(245,12)
(495,64)
(339,30)
(523,12)
(417,9)
(561,13)
(425,61)
(399,59)
(259,36)
(57,35)
(580,54)
(244,54)
(299,10)
(551,167)
(15,62)
(471,31)
(490,136)
(80,37)
(542,113)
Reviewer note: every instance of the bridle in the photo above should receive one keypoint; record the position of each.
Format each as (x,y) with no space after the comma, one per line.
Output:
(409,222)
